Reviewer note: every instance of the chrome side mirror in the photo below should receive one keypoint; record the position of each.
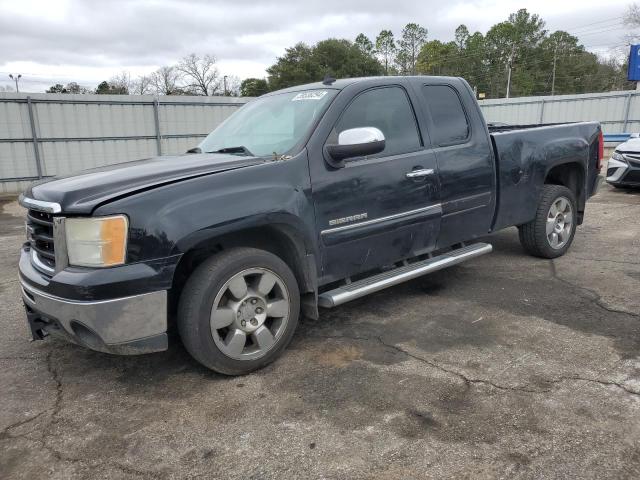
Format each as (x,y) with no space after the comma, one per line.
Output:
(355,142)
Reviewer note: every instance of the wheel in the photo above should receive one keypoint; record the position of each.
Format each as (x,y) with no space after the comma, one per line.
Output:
(238,310)
(550,233)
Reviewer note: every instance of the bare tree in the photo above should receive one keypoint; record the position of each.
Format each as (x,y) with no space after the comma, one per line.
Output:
(233,86)
(164,81)
(141,85)
(122,83)
(632,15)
(632,21)
(201,74)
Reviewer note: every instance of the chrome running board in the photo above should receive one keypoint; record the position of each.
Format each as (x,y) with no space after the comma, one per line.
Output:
(351,291)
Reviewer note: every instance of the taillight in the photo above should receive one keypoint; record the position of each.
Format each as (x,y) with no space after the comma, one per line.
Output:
(600,150)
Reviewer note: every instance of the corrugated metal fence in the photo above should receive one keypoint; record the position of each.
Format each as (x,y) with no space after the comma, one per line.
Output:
(54,134)
(618,112)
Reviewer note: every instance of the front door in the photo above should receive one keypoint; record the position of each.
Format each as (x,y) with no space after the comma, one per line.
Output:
(379,209)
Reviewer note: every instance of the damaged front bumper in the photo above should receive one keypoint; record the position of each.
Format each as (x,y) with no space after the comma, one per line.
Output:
(122,311)
(122,326)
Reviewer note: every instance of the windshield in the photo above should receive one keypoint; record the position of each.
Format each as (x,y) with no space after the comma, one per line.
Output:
(269,125)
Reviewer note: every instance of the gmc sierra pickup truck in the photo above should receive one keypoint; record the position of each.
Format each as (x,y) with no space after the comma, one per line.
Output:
(306,197)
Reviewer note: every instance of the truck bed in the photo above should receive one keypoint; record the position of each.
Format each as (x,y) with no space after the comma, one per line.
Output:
(524,156)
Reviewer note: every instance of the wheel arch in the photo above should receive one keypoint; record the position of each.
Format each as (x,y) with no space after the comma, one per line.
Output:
(281,239)
(573,176)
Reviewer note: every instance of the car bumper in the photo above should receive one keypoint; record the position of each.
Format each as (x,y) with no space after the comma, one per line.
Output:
(623,173)
(124,325)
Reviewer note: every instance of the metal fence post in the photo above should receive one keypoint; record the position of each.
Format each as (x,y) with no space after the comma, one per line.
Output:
(541,110)
(626,112)
(34,136)
(156,117)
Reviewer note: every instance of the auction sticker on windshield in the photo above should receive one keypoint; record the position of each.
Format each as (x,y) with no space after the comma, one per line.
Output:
(310,95)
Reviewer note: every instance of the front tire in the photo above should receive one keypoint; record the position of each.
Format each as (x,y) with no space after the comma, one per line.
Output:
(238,310)
(551,232)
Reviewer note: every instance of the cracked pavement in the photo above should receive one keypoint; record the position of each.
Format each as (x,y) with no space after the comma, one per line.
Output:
(504,367)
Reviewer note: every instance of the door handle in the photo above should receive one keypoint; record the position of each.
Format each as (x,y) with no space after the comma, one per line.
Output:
(423,172)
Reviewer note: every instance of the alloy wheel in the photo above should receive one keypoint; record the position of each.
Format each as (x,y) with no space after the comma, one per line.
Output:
(559,223)
(250,313)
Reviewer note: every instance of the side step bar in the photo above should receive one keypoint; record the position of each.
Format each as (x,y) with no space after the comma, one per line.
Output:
(351,291)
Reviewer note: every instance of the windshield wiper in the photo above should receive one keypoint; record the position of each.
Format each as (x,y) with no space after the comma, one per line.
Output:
(242,150)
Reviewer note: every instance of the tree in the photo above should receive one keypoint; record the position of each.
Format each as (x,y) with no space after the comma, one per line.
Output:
(106,88)
(462,37)
(511,43)
(164,81)
(386,48)
(121,84)
(437,58)
(233,86)
(201,73)
(365,45)
(141,85)
(57,88)
(71,87)
(339,58)
(413,38)
(253,87)
(8,88)
(631,20)
(295,67)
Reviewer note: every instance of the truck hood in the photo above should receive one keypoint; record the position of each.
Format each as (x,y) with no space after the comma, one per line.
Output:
(85,190)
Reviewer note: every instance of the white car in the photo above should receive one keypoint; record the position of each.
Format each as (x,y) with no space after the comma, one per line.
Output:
(623,169)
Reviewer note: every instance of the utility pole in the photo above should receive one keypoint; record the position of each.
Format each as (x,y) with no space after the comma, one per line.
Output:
(15,79)
(224,81)
(553,79)
(511,55)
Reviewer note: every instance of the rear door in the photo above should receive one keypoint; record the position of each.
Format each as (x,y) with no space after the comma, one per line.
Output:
(376,210)
(464,158)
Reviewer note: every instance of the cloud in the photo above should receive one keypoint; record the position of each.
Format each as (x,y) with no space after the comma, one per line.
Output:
(87,38)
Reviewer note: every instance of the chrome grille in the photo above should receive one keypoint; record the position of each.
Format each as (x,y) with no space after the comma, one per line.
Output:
(40,231)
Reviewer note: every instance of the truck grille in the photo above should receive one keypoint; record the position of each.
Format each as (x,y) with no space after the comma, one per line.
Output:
(40,232)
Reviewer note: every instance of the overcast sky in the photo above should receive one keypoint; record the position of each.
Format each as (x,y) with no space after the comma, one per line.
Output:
(57,41)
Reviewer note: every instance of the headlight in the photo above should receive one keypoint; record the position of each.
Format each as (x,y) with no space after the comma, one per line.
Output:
(97,241)
(617,156)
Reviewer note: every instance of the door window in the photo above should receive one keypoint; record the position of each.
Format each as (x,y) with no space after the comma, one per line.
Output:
(387,109)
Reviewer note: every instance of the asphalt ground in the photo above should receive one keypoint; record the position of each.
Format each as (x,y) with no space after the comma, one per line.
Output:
(507,366)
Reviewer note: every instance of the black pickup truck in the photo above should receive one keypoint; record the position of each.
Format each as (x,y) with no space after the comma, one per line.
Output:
(306,197)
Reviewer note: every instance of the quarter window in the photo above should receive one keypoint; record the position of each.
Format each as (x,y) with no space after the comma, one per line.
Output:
(387,109)
(450,125)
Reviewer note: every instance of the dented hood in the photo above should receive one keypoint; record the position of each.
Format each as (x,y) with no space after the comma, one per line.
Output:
(82,192)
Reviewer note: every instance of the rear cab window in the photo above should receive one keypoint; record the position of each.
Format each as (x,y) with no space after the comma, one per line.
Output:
(450,122)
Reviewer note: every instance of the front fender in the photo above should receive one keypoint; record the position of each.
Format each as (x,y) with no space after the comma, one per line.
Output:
(173,219)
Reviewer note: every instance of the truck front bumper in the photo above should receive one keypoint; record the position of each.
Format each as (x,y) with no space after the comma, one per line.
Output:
(125,325)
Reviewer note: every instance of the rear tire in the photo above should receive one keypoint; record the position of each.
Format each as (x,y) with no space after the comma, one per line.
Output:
(238,310)
(551,232)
